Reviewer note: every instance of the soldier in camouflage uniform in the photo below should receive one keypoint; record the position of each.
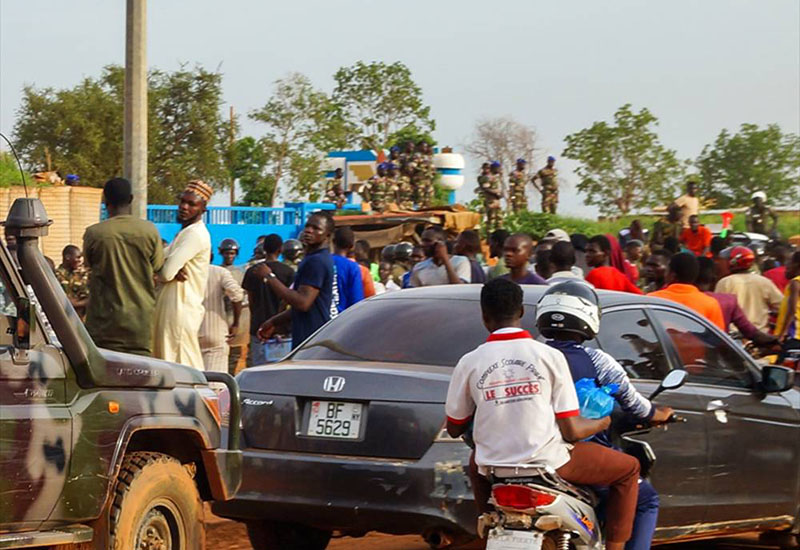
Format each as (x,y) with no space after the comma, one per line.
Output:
(405,192)
(517,180)
(548,187)
(379,190)
(334,191)
(74,278)
(410,160)
(489,189)
(425,174)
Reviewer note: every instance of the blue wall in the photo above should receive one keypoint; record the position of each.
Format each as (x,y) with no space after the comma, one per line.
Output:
(243,223)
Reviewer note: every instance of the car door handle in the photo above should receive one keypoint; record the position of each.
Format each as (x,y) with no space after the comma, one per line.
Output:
(717,405)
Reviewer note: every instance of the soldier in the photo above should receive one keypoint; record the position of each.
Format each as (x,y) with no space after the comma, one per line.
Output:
(379,192)
(549,186)
(758,213)
(409,169)
(425,173)
(394,155)
(517,181)
(405,192)
(334,192)
(74,279)
(489,189)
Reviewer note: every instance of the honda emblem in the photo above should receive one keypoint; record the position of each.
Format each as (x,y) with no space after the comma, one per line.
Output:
(333,384)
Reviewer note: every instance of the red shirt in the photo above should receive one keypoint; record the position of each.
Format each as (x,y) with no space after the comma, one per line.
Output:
(697,242)
(610,278)
(778,276)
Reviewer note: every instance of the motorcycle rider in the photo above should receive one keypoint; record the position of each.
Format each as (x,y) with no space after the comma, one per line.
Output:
(568,315)
(533,392)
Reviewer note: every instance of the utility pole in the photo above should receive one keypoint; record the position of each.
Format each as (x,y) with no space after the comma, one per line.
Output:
(134,165)
(231,153)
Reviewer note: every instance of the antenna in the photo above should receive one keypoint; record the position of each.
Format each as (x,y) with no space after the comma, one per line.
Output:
(19,164)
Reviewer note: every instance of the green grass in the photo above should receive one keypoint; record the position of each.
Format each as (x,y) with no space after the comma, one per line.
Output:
(537,224)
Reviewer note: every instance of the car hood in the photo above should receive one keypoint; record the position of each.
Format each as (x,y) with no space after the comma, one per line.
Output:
(362,380)
(126,369)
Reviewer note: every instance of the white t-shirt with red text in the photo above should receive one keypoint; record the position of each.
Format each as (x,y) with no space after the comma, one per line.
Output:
(515,387)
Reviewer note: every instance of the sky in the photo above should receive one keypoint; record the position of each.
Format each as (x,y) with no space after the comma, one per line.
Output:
(556,66)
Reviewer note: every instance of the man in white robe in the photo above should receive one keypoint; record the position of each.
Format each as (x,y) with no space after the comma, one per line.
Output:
(179,305)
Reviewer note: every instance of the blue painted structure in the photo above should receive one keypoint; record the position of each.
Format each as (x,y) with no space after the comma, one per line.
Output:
(243,223)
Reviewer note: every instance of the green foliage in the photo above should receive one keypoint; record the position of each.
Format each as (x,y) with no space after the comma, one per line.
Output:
(248,166)
(78,129)
(754,159)
(186,135)
(9,171)
(81,129)
(410,133)
(378,100)
(302,124)
(623,166)
(537,224)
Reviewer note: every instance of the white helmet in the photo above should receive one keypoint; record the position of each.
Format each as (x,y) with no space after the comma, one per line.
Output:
(571,306)
(759,195)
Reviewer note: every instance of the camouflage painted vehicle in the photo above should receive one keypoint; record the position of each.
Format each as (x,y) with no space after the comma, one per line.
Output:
(98,449)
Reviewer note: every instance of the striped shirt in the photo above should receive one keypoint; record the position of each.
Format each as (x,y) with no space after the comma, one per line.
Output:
(214,330)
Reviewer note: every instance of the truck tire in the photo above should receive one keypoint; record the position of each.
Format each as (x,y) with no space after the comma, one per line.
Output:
(156,505)
(274,535)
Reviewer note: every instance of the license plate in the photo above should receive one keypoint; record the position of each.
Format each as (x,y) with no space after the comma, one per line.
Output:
(514,540)
(334,419)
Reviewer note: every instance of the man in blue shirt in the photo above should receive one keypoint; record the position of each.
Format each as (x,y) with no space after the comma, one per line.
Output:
(311,300)
(348,273)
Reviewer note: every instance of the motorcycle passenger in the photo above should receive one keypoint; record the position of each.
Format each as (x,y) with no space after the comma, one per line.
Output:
(568,315)
(528,412)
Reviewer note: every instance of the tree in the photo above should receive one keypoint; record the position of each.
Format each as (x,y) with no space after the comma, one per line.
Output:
(187,136)
(623,166)
(377,100)
(502,139)
(302,124)
(754,159)
(79,130)
(76,130)
(9,171)
(249,166)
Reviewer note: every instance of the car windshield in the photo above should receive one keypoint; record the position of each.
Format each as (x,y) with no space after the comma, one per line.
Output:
(430,332)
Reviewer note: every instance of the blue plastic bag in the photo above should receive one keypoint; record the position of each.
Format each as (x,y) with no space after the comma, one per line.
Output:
(595,401)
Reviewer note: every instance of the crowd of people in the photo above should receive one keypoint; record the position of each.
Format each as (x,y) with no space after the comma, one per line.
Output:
(139,295)
(405,180)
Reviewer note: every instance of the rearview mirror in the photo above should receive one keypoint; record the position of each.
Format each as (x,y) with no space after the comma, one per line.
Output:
(776,379)
(672,381)
(22,329)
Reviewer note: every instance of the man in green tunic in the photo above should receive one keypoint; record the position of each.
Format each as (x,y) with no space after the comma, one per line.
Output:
(122,253)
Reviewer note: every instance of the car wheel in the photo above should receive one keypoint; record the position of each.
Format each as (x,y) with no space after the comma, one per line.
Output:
(273,535)
(156,505)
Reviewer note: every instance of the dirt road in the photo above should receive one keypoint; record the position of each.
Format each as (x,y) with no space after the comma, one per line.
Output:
(229,535)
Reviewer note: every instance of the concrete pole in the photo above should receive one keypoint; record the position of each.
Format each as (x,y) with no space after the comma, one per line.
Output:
(135,132)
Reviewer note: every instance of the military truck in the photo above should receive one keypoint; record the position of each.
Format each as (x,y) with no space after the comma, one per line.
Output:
(98,449)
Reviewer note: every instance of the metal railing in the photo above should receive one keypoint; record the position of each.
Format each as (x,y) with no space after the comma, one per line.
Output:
(227,215)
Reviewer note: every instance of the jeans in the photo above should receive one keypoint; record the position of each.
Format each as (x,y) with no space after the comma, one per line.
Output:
(257,354)
(644,522)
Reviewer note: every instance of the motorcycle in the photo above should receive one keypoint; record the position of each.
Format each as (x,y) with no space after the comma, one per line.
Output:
(535,509)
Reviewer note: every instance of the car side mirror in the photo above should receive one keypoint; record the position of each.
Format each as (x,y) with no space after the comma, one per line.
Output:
(22,329)
(776,379)
(672,381)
